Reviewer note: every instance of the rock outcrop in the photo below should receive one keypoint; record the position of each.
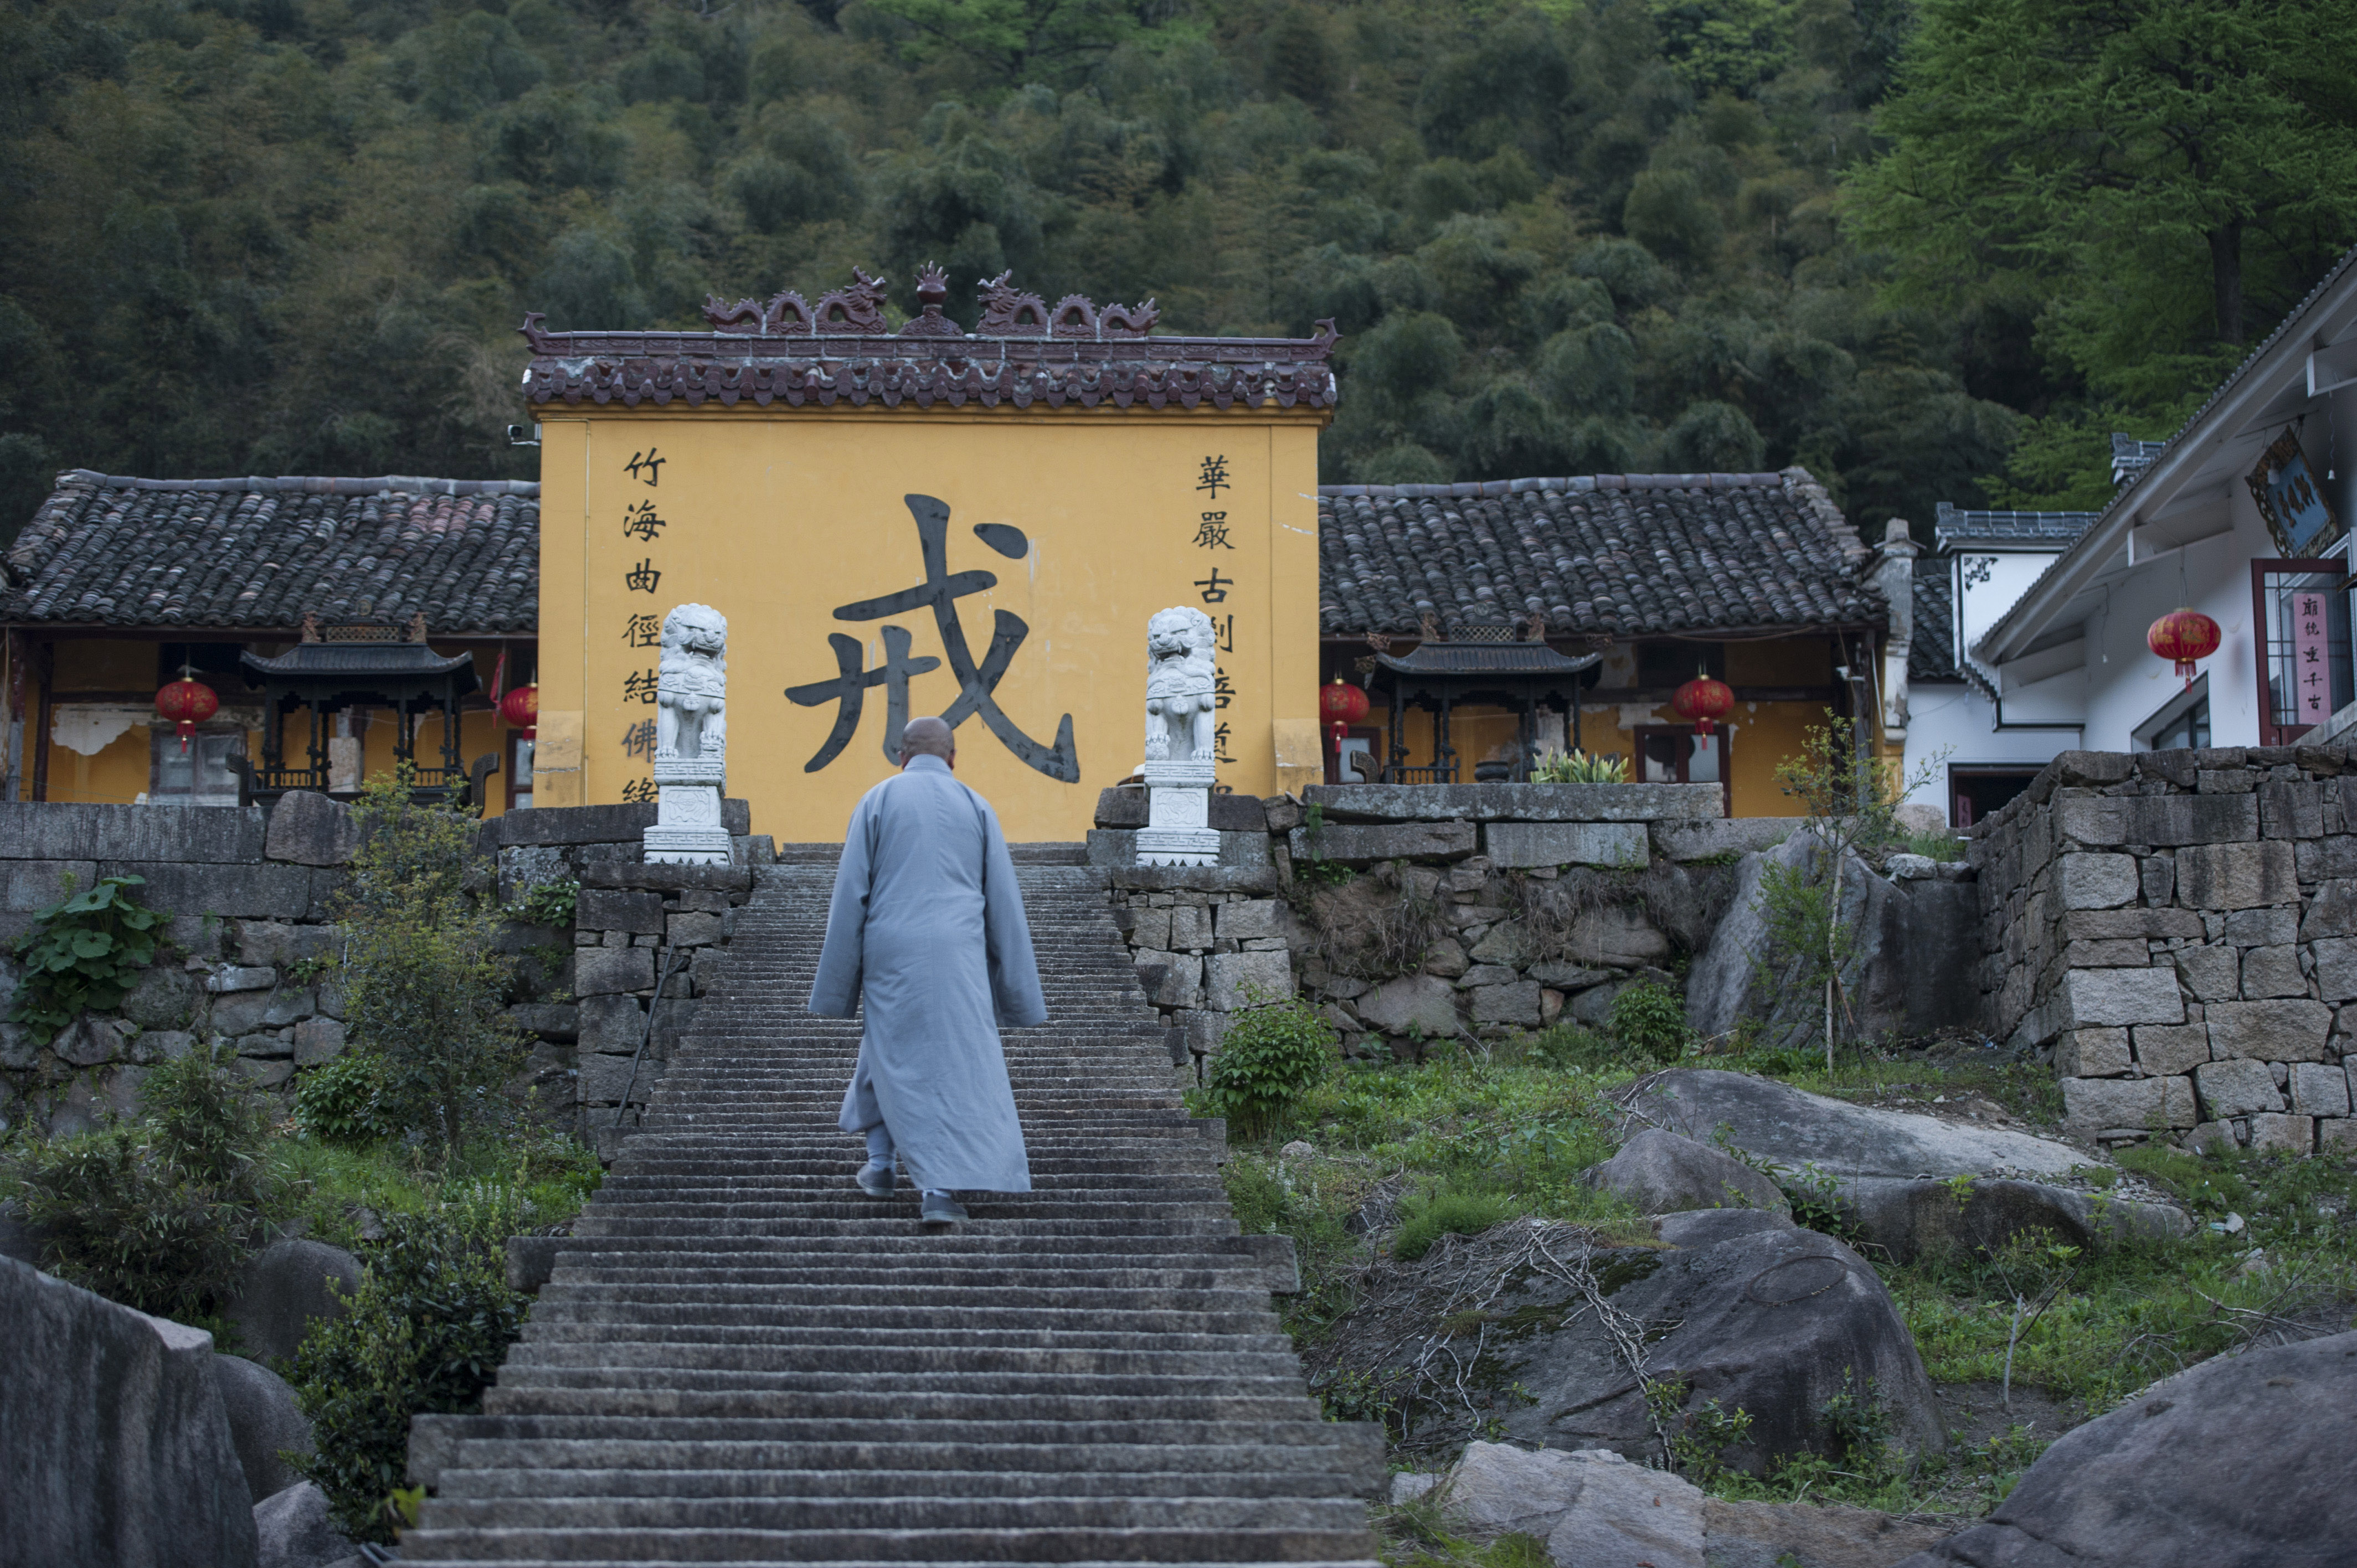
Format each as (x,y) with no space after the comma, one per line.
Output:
(1662,1173)
(116,1447)
(283,1289)
(2242,1462)
(1893,1173)
(263,1422)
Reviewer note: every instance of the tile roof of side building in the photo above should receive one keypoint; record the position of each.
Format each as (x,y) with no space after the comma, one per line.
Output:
(1621,555)
(1955,527)
(1931,646)
(256,553)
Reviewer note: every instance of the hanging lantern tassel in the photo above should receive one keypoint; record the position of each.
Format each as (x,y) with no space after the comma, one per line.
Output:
(2185,635)
(1702,701)
(187,703)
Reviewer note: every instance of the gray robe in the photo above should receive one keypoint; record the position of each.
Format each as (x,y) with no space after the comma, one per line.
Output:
(927,925)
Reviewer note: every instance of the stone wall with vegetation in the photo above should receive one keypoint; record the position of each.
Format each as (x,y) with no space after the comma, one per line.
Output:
(2179,929)
(1415,914)
(248,950)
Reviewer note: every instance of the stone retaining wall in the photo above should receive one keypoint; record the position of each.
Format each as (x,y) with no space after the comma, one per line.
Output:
(1522,904)
(2179,929)
(250,892)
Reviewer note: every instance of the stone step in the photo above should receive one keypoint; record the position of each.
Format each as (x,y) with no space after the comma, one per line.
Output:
(1044,1545)
(1245,1479)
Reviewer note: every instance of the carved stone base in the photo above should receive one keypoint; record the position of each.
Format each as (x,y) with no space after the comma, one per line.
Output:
(712,771)
(688,829)
(1177,846)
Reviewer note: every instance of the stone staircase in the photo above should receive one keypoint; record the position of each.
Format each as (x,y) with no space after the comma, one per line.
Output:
(740,1358)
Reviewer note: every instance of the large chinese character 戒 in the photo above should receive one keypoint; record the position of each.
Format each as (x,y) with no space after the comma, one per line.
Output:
(849,687)
(977,683)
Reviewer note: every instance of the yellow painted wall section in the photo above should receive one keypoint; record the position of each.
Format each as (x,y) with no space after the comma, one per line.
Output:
(779,519)
(117,774)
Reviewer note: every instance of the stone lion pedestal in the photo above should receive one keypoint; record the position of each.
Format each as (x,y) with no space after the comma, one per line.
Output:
(1181,742)
(691,760)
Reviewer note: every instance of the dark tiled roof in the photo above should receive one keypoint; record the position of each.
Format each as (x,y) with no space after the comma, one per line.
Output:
(1632,555)
(1956,528)
(1931,648)
(259,552)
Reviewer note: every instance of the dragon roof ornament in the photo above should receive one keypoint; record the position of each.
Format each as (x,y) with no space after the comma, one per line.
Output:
(843,350)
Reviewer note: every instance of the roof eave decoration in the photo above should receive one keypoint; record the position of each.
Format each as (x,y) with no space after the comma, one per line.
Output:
(785,350)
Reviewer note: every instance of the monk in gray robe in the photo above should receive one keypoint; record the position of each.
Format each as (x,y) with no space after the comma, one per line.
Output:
(926,929)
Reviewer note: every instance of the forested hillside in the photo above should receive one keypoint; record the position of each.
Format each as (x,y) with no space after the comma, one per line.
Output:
(296,236)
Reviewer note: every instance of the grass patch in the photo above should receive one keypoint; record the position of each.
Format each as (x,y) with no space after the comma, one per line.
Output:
(335,1190)
(1443,1210)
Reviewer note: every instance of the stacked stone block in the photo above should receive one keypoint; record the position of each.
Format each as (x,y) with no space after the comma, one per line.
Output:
(2180,929)
(252,943)
(630,925)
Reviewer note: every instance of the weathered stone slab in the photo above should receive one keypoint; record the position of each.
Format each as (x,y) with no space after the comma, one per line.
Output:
(29,885)
(1233,981)
(1171,979)
(2213,973)
(1516,802)
(2096,881)
(1249,920)
(2166,1049)
(618,909)
(609,1022)
(2284,1031)
(2095,1053)
(604,1078)
(663,878)
(2160,821)
(309,829)
(2093,1104)
(623,823)
(1418,1004)
(598,971)
(119,1448)
(1567,844)
(2235,875)
(1723,837)
(2097,996)
(232,892)
(2319,1089)
(1517,1002)
(1366,846)
(60,830)
(2230,1089)
(2272,971)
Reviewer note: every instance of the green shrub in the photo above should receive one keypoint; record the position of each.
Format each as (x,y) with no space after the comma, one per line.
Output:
(84,950)
(157,1213)
(1651,1019)
(1940,845)
(1272,1055)
(1580,767)
(424,986)
(342,1101)
(1568,1046)
(1443,1210)
(425,1333)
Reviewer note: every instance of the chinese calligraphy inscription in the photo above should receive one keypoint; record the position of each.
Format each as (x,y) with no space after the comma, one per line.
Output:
(977,682)
(2311,664)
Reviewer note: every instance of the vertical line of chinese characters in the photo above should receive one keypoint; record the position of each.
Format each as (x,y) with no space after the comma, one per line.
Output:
(1211,535)
(643,526)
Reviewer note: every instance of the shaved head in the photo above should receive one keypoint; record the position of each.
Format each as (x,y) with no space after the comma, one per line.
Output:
(927,737)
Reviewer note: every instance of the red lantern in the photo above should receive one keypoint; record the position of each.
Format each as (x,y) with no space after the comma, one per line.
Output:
(1342,704)
(2183,636)
(187,703)
(1701,701)
(520,708)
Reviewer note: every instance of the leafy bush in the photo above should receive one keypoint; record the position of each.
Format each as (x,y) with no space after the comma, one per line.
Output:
(1940,845)
(1651,1019)
(425,1333)
(342,1101)
(84,950)
(1444,1211)
(1272,1053)
(422,984)
(550,903)
(158,1213)
(1580,767)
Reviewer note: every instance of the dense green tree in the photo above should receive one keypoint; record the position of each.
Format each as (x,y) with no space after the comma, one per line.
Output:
(2158,181)
(282,236)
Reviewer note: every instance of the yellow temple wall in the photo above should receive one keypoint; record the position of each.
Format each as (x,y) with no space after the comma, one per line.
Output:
(778,517)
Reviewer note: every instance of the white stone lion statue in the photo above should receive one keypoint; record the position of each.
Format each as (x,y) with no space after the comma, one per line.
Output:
(691,685)
(1182,674)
